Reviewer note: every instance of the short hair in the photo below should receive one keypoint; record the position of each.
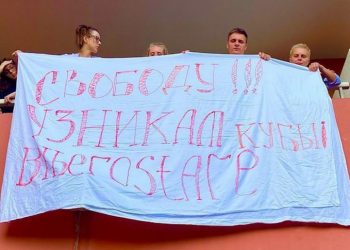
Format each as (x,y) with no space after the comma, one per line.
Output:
(301,46)
(158,44)
(238,31)
(80,32)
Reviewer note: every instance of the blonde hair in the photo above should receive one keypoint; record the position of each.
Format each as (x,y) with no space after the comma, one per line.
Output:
(301,46)
(158,44)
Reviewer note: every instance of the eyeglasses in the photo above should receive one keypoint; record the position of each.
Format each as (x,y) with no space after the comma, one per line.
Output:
(97,38)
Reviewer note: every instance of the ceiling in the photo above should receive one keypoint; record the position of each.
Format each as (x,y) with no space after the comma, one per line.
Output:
(128,26)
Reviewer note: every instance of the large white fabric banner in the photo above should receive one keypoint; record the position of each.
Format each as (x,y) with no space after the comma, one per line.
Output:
(188,138)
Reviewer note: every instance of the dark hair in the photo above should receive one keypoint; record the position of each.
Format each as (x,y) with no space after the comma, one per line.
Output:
(5,59)
(82,31)
(238,31)
(5,70)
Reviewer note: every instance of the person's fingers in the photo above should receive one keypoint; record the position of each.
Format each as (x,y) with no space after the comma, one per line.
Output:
(264,56)
(314,66)
(15,53)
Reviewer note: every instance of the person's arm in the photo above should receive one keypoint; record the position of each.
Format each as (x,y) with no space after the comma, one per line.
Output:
(328,73)
(331,78)
(10,98)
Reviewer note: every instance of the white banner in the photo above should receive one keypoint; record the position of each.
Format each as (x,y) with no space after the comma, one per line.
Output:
(189,138)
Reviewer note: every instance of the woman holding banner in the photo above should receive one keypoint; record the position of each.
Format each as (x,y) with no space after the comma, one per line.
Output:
(88,41)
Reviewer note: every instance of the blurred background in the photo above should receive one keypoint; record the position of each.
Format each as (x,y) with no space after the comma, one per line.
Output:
(127,27)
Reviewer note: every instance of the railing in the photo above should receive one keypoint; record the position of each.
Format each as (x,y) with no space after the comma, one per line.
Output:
(341,87)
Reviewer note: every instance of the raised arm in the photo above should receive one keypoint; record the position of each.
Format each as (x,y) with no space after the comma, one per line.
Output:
(332,77)
(10,98)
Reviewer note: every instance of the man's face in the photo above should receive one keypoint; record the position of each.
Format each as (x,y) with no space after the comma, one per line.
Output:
(300,56)
(236,44)
(155,51)
(93,41)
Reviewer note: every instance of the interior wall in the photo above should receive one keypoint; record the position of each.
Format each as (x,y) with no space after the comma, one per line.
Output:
(127,27)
